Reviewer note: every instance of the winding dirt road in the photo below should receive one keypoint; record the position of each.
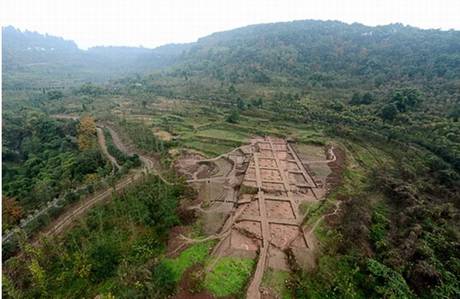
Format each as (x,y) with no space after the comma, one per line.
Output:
(149,166)
(103,145)
(66,219)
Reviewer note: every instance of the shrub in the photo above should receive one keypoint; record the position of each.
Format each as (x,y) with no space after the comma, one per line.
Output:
(387,282)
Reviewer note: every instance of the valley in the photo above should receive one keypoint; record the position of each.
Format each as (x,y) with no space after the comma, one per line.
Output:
(304,159)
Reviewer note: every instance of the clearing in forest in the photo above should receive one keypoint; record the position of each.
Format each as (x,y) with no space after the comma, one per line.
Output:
(249,200)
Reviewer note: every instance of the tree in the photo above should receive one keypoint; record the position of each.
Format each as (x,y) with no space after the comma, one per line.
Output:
(406,98)
(455,113)
(38,275)
(240,104)
(231,89)
(86,133)
(258,103)
(162,282)
(104,257)
(233,117)
(387,282)
(358,99)
(11,211)
(55,95)
(388,112)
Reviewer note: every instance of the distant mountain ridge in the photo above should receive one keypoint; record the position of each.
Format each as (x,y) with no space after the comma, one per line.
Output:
(30,58)
(330,53)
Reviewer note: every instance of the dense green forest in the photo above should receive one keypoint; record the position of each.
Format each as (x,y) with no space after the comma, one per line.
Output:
(390,95)
(44,157)
(114,250)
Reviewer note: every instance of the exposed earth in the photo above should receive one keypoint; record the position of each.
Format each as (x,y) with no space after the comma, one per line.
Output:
(249,200)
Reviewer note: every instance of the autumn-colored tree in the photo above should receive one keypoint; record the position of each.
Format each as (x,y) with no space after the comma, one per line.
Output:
(11,211)
(86,132)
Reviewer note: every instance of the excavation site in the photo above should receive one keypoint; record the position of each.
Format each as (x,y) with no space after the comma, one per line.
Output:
(250,200)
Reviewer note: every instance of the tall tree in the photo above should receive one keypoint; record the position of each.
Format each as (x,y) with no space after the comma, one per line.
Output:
(86,132)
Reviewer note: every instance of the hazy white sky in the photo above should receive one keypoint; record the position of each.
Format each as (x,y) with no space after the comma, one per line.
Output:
(153,23)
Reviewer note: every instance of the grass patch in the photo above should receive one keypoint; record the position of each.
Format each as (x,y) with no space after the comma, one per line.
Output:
(209,149)
(314,210)
(192,255)
(231,135)
(324,234)
(229,276)
(276,281)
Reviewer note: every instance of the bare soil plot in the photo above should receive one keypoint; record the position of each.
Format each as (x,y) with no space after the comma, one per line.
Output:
(264,184)
(163,135)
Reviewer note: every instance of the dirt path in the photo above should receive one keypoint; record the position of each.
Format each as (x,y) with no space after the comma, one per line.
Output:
(59,201)
(66,219)
(103,145)
(151,165)
(117,140)
(308,235)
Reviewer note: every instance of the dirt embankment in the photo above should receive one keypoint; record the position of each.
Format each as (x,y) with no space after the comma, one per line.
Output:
(190,284)
(103,146)
(337,167)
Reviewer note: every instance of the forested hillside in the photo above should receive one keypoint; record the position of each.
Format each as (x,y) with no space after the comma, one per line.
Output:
(42,158)
(395,79)
(33,60)
(332,54)
(393,88)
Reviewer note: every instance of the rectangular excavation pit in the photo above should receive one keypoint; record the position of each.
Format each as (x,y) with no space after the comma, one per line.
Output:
(297,178)
(266,153)
(276,140)
(267,163)
(279,147)
(241,242)
(282,235)
(264,145)
(281,155)
(302,190)
(250,173)
(252,209)
(270,175)
(249,228)
(279,209)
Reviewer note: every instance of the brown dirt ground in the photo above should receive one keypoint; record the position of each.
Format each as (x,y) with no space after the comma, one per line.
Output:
(163,135)
(281,235)
(174,240)
(186,163)
(335,178)
(246,235)
(189,286)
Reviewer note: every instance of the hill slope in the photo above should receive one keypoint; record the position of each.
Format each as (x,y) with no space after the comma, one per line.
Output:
(31,59)
(388,96)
